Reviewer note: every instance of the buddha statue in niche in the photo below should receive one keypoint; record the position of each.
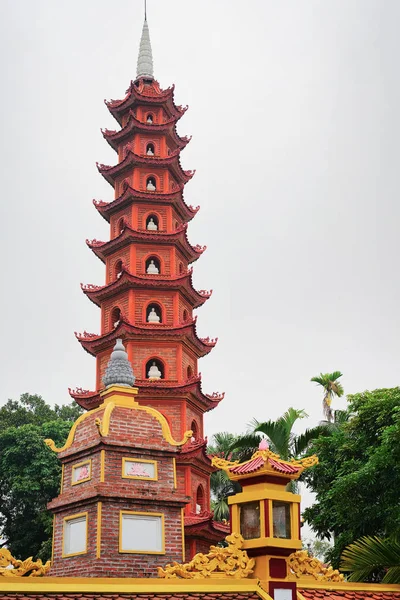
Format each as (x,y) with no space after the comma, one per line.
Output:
(149,119)
(152,269)
(151,187)
(154,371)
(153,316)
(150,151)
(151,226)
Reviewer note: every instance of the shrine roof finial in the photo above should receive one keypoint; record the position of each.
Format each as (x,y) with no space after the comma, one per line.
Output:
(119,369)
(145,58)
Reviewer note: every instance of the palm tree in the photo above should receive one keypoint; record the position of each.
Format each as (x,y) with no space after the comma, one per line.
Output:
(280,436)
(369,557)
(220,484)
(332,388)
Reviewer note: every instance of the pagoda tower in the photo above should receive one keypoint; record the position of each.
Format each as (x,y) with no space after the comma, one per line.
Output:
(148,298)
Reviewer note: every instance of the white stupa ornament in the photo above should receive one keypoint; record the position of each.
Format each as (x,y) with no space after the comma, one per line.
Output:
(152,269)
(151,226)
(145,58)
(153,317)
(154,372)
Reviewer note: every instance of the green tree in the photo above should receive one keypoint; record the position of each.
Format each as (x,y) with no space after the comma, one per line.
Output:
(372,559)
(29,472)
(357,479)
(220,484)
(332,387)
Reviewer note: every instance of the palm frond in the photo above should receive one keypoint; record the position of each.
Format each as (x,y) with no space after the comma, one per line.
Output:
(278,435)
(370,554)
(303,441)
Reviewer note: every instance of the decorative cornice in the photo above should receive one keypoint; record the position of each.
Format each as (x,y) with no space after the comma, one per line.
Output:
(12,567)
(303,566)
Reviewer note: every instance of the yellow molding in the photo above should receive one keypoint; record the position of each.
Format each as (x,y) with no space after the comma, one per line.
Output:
(71,518)
(174,467)
(346,585)
(183,532)
(102,465)
(147,514)
(139,460)
(80,464)
(112,585)
(50,443)
(272,542)
(261,495)
(104,425)
(98,533)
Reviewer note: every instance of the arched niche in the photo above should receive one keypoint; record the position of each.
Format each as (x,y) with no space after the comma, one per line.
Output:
(181,268)
(189,372)
(185,315)
(149,118)
(155,369)
(151,309)
(200,499)
(153,265)
(118,269)
(195,429)
(151,184)
(152,222)
(150,149)
(115,316)
(120,225)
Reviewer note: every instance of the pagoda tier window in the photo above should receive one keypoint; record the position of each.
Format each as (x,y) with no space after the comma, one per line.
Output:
(195,431)
(281,519)
(120,226)
(155,369)
(181,268)
(152,223)
(118,269)
(151,184)
(150,150)
(153,265)
(149,119)
(189,372)
(154,313)
(199,499)
(185,315)
(115,317)
(250,523)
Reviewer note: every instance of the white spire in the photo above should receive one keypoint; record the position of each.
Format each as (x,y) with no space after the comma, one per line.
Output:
(145,58)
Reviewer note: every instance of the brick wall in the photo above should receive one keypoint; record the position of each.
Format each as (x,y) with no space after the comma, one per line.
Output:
(122,302)
(126,214)
(162,253)
(164,299)
(111,261)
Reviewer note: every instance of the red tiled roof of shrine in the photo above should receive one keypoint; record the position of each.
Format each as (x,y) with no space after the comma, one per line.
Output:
(106,209)
(129,235)
(182,282)
(161,595)
(345,594)
(94,343)
(112,172)
(205,524)
(256,463)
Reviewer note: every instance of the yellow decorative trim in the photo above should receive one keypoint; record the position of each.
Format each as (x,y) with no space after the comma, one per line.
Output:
(50,443)
(81,464)
(21,567)
(183,532)
(71,518)
(147,514)
(104,425)
(303,463)
(102,465)
(165,427)
(230,562)
(174,467)
(303,565)
(98,534)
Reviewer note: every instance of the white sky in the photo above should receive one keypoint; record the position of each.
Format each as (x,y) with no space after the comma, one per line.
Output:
(294,117)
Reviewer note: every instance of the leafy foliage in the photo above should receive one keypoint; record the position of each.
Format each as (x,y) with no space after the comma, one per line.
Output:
(358,477)
(221,485)
(370,557)
(29,472)
(332,387)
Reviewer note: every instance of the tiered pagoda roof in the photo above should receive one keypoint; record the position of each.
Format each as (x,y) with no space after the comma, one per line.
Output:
(129,235)
(182,282)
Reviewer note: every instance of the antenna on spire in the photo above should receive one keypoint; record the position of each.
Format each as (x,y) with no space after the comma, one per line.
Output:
(145,58)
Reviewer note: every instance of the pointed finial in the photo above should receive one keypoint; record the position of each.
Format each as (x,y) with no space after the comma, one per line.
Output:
(263,445)
(119,369)
(145,58)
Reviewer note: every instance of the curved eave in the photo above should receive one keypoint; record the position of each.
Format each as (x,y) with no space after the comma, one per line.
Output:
(111,173)
(94,344)
(195,452)
(182,283)
(88,399)
(205,527)
(115,138)
(137,94)
(129,195)
(129,235)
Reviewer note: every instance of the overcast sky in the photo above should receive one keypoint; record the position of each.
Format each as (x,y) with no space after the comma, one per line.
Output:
(293,108)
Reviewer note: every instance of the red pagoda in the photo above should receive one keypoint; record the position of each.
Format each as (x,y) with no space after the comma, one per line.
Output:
(148,297)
